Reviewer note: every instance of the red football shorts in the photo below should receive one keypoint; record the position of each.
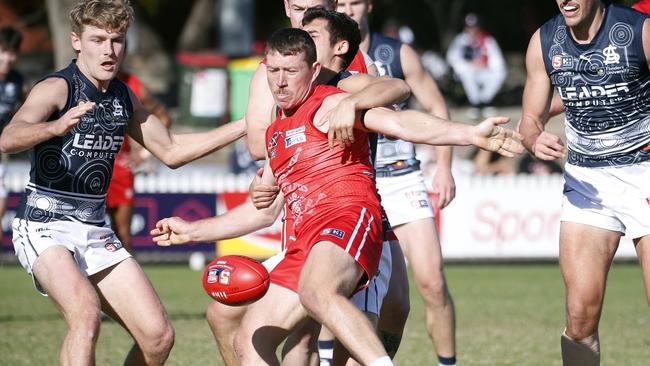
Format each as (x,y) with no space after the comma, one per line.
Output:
(354,228)
(120,191)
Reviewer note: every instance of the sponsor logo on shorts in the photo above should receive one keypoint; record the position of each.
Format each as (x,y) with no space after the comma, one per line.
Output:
(419,203)
(113,246)
(334,232)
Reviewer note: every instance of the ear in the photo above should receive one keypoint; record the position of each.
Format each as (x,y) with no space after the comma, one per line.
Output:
(286,7)
(76,41)
(342,48)
(315,67)
(369,6)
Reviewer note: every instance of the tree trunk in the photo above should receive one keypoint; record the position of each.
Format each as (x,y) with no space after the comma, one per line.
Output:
(57,14)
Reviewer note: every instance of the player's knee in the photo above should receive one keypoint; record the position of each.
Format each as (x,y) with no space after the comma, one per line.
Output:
(86,323)
(434,290)
(582,320)
(312,299)
(219,317)
(158,342)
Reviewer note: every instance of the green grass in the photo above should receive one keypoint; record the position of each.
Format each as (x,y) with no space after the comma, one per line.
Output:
(506,315)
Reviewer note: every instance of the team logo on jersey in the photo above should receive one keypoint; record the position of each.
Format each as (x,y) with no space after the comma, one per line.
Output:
(113,246)
(611,56)
(295,136)
(273,143)
(118,110)
(333,232)
(562,62)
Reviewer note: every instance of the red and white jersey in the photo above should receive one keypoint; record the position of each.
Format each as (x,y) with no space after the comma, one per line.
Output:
(358,64)
(312,176)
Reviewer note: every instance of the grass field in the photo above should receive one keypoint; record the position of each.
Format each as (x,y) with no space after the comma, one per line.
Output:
(506,315)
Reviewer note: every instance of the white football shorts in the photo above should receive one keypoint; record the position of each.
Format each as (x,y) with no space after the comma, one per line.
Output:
(405,198)
(371,298)
(94,248)
(611,198)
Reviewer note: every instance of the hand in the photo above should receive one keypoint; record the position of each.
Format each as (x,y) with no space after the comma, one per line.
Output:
(444,186)
(341,123)
(71,118)
(171,231)
(262,195)
(492,137)
(547,146)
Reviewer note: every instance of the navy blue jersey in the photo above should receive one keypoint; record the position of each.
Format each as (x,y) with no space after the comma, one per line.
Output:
(11,93)
(70,174)
(385,52)
(604,88)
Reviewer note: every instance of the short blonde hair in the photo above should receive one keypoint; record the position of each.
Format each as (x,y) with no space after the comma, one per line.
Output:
(111,15)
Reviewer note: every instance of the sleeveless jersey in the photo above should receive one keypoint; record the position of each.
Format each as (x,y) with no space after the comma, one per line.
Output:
(312,176)
(358,64)
(604,88)
(385,53)
(11,91)
(70,174)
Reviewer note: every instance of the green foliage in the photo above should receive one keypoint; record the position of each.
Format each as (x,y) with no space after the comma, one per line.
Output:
(506,315)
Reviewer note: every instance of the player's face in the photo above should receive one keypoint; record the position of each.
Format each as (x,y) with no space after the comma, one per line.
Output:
(317,29)
(576,12)
(295,9)
(100,52)
(290,78)
(355,9)
(7,59)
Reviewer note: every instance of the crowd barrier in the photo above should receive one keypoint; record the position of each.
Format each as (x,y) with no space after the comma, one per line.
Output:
(492,218)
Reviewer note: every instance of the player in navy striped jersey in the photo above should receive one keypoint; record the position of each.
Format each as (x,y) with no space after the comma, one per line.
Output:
(74,122)
(596,56)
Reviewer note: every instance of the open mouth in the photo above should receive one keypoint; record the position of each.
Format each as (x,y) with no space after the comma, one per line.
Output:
(108,65)
(570,9)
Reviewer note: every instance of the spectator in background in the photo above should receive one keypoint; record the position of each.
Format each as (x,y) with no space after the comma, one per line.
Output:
(530,165)
(11,94)
(119,198)
(477,61)
(486,163)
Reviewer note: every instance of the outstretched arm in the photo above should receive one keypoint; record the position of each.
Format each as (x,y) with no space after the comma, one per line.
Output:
(365,92)
(258,113)
(176,150)
(536,103)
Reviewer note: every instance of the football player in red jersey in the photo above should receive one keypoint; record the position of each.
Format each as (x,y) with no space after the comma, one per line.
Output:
(347,236)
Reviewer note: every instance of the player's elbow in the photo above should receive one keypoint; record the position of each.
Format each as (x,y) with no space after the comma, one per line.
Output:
(8,143)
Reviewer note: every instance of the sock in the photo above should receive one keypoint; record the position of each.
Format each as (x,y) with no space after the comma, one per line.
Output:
(447,361)
(382,361)
(325,352)
(585,352)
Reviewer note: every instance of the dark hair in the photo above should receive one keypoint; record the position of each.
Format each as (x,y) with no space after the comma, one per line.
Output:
(340,27)
(292,41)
(10,38)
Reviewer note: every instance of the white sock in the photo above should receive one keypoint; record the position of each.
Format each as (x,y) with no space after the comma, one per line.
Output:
(382,361)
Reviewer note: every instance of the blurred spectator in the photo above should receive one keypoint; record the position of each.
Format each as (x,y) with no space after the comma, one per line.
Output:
(119,198)
(477,61)
(11,94)
(491,163)
(530,165)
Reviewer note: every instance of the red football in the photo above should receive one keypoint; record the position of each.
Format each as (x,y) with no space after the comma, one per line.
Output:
(235,280)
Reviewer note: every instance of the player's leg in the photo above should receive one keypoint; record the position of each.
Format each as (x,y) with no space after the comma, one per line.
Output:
(396,306)
(59,276)
(421,246)
(329,277)
(136,305)
(643,251)
(586,254)
(301,346)
(224,321)
(121,218)
(341,356)
(325,346)
(261,331)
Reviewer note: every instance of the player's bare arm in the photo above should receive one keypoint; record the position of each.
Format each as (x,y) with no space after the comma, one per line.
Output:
(428,94)
(29,126)
(536,102)
(176,150)
(258,112)
(241,220)
(262,194)
(646,40)
(366,92)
